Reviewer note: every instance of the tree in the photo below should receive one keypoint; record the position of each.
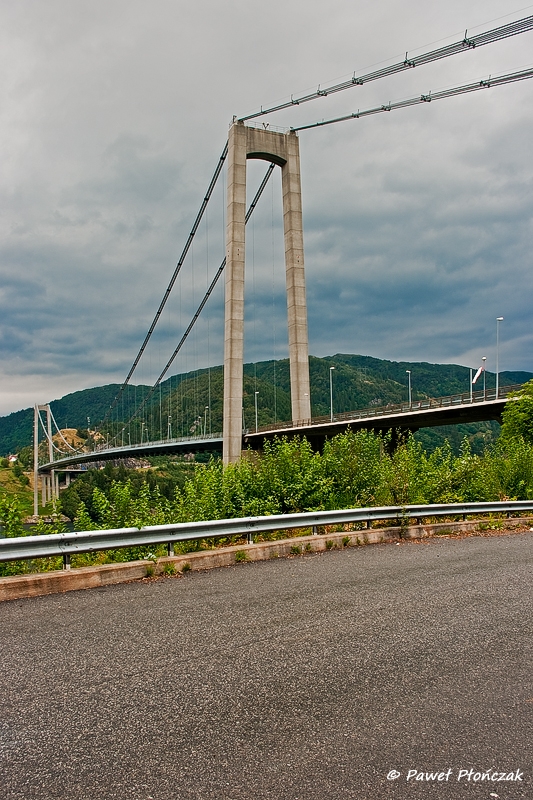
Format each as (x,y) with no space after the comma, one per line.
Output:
(25,457)
(518,415)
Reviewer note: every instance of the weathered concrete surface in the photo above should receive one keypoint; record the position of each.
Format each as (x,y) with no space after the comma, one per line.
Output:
(307,678)
(234,295)
(282,149)
(68,580)
(17,586)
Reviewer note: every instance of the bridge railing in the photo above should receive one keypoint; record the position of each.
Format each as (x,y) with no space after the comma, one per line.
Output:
(141,449)
(158,442)
(399,408)
(68,544)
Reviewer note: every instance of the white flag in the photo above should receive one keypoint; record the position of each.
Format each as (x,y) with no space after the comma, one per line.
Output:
(478,373)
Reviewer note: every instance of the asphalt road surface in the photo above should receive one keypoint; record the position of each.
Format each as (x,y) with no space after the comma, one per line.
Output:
(311,678)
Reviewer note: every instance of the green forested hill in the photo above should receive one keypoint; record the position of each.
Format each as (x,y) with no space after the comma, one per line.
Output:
(431,380)
(358,382)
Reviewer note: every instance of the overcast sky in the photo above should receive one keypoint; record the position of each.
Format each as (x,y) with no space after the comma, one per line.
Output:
(417,224)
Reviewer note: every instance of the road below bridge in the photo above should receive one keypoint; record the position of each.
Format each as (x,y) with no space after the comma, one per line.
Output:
(302,679)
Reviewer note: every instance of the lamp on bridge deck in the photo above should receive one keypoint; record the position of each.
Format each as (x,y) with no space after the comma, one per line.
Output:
(331,393)
(410,397)
(498,320)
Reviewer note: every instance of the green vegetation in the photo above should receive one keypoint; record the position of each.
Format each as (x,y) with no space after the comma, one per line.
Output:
(354,470)
(14,487)
(165,474)
(518,416)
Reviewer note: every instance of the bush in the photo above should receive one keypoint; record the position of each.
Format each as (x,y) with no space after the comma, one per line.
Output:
(517,416)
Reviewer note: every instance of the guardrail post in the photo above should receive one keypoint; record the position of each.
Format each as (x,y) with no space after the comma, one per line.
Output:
(315,530)
(250,538)
(66,560)
(170,549)
(368,523)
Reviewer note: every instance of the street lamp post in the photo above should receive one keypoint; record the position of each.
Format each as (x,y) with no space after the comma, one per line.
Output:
(169,428)
(410,396)
(471,385)
(255,398)
(484,358)
(331,393)
(206,409)
(498,320)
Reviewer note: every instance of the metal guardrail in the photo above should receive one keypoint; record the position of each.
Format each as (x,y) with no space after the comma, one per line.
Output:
(67,544)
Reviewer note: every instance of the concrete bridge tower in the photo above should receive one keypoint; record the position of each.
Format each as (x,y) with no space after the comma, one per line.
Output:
(282,149)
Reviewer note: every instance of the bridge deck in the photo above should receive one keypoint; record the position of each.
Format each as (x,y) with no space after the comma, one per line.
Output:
(426,413)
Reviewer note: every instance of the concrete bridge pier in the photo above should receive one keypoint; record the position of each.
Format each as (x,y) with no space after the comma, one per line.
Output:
(281,149)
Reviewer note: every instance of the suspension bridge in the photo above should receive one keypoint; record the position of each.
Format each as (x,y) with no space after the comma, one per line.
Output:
(194,407)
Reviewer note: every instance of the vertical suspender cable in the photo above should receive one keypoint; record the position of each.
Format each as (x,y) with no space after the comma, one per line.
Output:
(179,265)
(206,296)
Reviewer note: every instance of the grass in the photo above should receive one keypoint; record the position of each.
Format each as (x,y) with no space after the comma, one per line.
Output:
(10,485)
(493,525)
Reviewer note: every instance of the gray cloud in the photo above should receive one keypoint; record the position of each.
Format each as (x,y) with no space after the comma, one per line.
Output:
(418,224)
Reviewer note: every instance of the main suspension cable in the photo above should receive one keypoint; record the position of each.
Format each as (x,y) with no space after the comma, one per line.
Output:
(58,429)
(173,279)
(426,98)
(465,44)
(204,301)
